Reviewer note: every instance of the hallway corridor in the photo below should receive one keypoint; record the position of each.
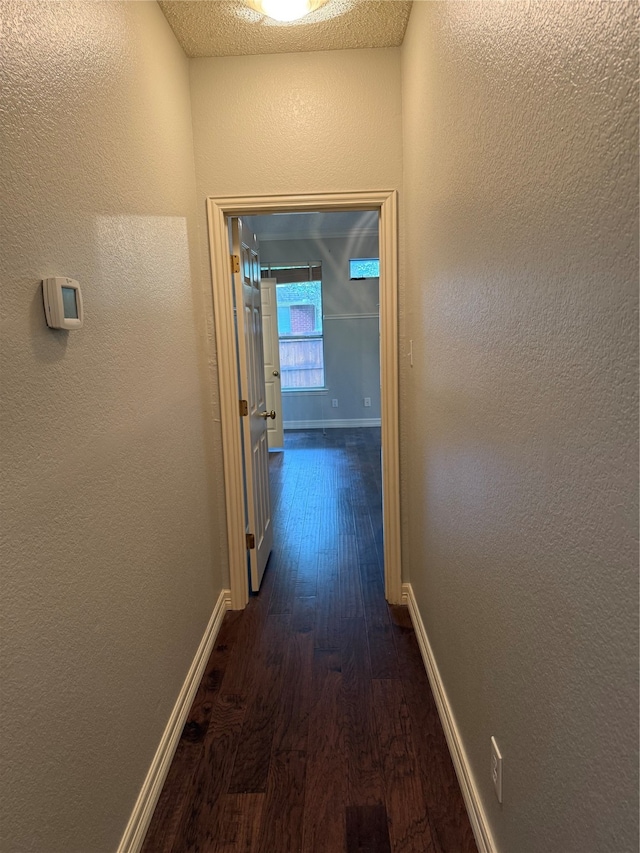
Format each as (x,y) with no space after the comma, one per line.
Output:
(314,728)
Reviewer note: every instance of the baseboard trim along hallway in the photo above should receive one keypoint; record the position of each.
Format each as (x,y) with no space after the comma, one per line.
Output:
(470,794)
(142,813)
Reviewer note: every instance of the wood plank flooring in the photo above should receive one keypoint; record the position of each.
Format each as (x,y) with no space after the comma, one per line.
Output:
(314,729)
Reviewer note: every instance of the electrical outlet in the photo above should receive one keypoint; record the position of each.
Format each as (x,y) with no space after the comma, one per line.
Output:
(496,769)
(367,401)
(334,403)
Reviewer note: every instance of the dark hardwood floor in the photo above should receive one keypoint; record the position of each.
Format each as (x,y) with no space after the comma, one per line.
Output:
(314,728)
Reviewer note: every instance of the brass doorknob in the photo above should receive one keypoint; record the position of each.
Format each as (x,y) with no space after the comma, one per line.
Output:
(276,373)
(266,415)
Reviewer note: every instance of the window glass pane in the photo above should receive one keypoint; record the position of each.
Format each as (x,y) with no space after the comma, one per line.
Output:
(364,268)
(300,332)
(302,319)
(284,320)
(295,301)
(301,363)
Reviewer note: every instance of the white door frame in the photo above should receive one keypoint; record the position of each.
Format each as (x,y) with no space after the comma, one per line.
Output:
(218,211)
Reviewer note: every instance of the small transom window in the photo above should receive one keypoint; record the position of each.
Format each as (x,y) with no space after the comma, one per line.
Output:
(360,268)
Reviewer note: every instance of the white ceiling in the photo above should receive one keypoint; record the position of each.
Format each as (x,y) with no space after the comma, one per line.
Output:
(298,226)
(232,28)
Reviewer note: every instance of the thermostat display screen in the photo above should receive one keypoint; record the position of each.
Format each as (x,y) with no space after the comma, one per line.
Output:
(69,303)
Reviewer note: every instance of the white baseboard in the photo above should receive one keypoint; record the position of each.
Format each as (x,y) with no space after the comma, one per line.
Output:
(475,809)
(332,424)
(140,819)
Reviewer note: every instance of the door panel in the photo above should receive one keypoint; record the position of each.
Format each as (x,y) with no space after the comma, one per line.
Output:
(252,389)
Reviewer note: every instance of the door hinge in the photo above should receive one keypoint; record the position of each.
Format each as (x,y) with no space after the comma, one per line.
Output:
(244,408)
(251,541)
(235,263)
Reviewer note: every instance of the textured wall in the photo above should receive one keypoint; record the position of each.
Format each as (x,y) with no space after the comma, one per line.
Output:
(351,346)
(296,123)
(110,547)
(520,454)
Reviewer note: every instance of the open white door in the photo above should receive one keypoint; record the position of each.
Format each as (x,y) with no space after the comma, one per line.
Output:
(246,279)
(272,378)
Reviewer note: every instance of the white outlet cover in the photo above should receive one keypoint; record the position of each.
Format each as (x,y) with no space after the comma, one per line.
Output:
(496,769)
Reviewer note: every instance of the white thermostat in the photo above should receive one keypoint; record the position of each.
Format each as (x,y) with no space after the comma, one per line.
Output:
(62,303)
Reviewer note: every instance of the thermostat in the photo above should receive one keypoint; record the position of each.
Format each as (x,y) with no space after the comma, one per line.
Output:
(62,303)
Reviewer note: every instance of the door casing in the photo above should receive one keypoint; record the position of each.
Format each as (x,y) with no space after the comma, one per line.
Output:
(219,209)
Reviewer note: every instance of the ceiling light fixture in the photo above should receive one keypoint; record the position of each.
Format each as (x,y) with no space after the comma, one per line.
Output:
(285,10)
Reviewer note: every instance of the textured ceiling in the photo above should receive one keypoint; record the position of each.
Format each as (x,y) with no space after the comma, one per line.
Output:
(231,28)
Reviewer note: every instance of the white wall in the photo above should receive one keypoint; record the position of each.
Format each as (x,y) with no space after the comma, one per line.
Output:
(520,454)
(351,330)
(298,122)
(111,548)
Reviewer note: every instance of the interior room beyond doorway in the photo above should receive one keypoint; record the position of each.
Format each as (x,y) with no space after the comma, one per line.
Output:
(327,319)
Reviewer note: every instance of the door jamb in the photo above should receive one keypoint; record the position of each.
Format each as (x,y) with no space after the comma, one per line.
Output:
(218,211)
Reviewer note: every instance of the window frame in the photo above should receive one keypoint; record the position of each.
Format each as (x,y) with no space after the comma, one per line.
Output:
(314,271)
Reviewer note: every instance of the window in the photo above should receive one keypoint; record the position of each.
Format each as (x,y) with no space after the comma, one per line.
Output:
(299,304)
(360,268)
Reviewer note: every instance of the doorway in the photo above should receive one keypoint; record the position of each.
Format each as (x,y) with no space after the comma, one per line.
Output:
(219,211)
